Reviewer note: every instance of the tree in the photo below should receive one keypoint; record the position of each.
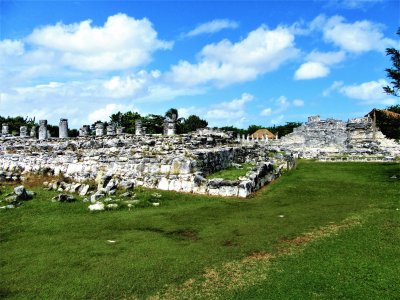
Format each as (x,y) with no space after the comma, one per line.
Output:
(126,120)
(154,124)
(192,123)
(284,129)
(170,112)
(394,72)
(253,128)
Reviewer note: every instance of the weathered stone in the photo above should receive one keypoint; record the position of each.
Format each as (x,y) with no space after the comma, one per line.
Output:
(64,198)
(96,207)
(63,128)
(43,134)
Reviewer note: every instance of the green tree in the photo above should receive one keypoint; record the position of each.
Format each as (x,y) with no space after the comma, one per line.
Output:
(394,72)
(170,112)
(253,128)
(192,123)
(126,120)
(282,130)
(154,124)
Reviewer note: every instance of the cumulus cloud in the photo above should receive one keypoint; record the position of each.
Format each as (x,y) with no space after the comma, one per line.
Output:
(281,104)
(318,63)
(104,113)
(224,63)
(212,27)
(357,37)
(370,92)
(311,70)
(10,48)
(123,42)
(230,110)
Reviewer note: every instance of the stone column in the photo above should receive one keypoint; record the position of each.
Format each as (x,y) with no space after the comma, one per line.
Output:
(32,133)
(42,129)
(4,129)
(99,129)
(63,129)
(138,127)
(84,130)
(170,125)
(111,130)
(120,130)
(23,131)
(48,134)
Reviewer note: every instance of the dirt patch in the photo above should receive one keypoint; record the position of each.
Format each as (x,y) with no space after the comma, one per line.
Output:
(258,256)
(229,243)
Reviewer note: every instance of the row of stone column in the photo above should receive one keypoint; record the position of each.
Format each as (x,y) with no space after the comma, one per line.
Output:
(99,130)
(249,138)
(43,132)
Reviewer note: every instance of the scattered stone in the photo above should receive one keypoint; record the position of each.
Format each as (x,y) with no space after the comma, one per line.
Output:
(64,198)
(112,206)
(96,207)
(84,190)
(96,196)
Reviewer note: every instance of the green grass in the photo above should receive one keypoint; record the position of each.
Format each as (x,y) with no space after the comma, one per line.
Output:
(60,250)
(232,173)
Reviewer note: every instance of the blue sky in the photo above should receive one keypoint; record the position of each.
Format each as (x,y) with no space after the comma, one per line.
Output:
(230,62)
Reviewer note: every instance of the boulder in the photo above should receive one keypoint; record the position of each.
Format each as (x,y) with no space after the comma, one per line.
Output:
(98,206)
(64,198)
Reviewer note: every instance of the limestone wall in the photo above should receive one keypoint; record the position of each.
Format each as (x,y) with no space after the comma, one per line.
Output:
(178,163)
(318,138)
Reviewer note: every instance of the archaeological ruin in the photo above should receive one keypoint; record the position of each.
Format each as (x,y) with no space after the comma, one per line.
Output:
(182,163)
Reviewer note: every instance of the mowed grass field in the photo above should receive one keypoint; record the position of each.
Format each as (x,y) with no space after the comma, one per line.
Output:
(324,230)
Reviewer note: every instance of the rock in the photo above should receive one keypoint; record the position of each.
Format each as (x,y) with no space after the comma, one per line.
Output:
(96,196)
(19,190)
(112,206)
(126,194)
(96,207)
(84,190)
(23,194)
(127,185)
(64,198)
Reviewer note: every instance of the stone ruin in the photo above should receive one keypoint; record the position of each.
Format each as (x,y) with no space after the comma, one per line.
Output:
(183,162)
(330,139)
(170,162)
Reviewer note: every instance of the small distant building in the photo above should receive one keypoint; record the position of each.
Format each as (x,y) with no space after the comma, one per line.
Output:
(262,133)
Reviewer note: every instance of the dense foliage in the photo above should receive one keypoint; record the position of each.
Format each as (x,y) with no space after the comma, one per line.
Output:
(393,73)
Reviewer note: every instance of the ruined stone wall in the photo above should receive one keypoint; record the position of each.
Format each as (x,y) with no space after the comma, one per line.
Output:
(321,138)
(178,163)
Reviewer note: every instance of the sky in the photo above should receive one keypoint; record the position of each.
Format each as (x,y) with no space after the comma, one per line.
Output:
(229,62)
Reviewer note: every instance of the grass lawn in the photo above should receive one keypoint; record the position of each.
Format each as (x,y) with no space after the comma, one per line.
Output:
(324,230)
(232,173)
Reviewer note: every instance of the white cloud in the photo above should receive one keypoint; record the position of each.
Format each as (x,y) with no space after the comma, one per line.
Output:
(370,92)
(123,42)
(10,48)
(266,112)
(213,27)
(224,63)
(281,104)
(326,58)
(104,113)
(334,87)
(311,70)
(298,102)
(357,37)
(230,110)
